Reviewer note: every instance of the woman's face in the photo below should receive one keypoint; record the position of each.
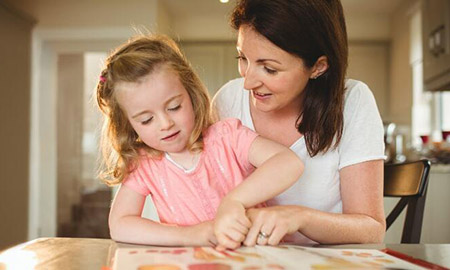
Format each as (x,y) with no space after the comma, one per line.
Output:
(274,77)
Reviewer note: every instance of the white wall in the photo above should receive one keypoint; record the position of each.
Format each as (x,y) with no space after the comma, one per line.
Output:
(369,62)
(79,14)
(400,94)
(15,69)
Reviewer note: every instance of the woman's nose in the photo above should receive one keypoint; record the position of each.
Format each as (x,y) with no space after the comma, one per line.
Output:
(251,80)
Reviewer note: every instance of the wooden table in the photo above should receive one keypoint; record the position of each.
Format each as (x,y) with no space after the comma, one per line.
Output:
(88,253)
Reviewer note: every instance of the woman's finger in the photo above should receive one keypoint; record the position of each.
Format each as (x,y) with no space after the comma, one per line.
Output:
(265,233)
(250,239)
(254,215)
(277,234)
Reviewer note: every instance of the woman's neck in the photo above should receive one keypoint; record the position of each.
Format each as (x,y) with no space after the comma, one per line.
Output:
(279,126)
(285,114)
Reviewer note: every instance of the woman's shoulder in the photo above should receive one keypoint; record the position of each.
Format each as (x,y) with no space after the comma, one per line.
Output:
(229,91)
(355,87)
(230,99)
(232,85)
(357,92)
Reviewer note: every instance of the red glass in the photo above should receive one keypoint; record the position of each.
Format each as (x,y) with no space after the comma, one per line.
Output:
(424,139)
(445,134)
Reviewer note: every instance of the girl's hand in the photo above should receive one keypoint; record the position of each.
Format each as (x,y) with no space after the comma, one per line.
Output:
(271,224)
(231,224)
(201,234)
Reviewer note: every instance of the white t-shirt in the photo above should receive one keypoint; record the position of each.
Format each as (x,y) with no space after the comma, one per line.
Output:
(319,186)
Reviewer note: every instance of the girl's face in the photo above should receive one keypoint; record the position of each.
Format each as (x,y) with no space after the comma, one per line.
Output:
(275,77)
(159,109)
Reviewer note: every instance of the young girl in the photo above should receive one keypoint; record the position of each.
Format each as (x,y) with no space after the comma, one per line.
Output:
(159,140)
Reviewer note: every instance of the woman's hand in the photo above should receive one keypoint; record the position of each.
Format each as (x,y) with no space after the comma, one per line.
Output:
(231,224)
(271,224)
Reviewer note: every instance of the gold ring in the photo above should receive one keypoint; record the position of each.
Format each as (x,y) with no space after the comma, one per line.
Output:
(263,235)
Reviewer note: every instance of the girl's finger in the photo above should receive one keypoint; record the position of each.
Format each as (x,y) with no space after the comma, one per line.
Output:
(245,221)
(225,242)
(235,235)
(241,228)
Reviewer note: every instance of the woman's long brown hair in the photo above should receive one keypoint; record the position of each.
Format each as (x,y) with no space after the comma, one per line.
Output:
(307,29)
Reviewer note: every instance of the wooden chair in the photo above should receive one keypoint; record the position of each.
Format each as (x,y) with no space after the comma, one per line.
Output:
(409,182)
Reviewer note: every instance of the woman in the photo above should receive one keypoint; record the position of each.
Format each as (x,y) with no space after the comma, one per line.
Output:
(293,60)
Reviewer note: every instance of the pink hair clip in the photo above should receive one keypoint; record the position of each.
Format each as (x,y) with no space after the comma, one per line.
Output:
(102,79)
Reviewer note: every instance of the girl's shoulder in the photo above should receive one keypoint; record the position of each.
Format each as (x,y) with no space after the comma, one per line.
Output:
(145,160)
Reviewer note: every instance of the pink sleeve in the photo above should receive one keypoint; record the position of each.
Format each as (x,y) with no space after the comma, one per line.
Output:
(136,181)
(240,138)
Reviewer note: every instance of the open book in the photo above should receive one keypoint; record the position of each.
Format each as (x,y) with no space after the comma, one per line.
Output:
(255,258)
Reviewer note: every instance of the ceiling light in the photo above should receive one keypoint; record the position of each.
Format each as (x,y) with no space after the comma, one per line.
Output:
(223,1)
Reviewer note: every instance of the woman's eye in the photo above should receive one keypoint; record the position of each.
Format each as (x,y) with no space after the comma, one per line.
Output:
(270,71)
(145,122)
(175,108)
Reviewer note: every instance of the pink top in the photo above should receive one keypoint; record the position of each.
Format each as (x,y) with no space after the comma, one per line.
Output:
(189,197)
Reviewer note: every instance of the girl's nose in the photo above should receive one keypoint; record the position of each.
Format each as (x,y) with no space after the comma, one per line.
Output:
(166,122)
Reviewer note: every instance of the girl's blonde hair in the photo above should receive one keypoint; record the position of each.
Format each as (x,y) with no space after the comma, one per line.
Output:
(141,55)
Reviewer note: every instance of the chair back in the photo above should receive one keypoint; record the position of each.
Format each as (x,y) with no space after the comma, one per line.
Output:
(409,182)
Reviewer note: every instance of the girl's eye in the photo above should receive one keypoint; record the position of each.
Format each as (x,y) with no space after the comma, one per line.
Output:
(270,71)
(176,108)
(147,121)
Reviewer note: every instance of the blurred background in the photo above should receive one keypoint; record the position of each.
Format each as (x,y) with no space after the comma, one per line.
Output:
(51,53)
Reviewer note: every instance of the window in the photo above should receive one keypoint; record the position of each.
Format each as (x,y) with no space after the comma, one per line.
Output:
(445,111)
(431,110)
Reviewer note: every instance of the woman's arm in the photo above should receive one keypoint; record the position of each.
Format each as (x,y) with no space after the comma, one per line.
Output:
(362,220)
(277,168)
(127,225)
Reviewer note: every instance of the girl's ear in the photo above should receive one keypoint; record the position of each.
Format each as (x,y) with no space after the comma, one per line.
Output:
(320,67)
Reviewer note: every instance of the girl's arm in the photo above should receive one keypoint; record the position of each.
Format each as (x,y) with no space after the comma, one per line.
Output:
(127,225)
(277,168)
(362,220)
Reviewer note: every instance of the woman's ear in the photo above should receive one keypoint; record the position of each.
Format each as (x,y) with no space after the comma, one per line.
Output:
(320,67)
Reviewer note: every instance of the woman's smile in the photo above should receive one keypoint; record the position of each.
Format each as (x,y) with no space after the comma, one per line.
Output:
(261,96)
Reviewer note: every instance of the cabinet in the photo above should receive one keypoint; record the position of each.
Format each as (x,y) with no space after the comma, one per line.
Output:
(436,44)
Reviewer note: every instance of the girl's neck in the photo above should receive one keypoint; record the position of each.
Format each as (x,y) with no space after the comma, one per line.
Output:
(186,159)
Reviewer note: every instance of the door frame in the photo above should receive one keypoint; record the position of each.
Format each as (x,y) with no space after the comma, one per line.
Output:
(47,44)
